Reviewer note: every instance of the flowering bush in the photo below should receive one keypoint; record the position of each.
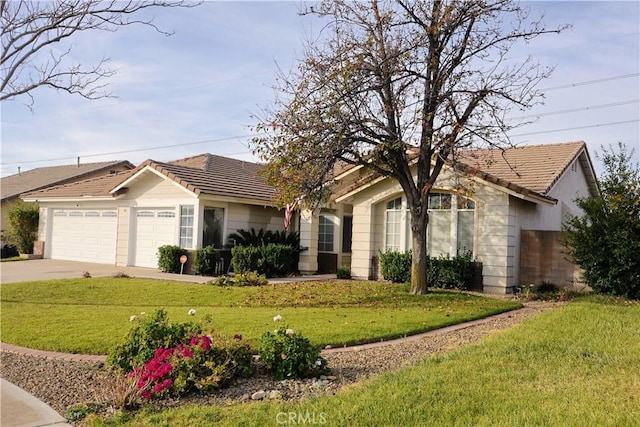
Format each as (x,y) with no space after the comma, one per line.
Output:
(204,364)
(150,333)
(288,354)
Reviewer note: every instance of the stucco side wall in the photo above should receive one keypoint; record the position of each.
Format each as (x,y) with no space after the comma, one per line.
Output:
(496,235)
(239,216)
(151,188)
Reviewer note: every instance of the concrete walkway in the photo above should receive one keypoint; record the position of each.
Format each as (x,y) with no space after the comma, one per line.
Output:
(21,409)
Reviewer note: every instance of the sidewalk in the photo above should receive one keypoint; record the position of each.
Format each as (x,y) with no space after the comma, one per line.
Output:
(21,409)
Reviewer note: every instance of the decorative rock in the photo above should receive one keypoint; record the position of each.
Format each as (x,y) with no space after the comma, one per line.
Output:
(332,377)
(258,395)
(245,397)
(275,394)
(328,347)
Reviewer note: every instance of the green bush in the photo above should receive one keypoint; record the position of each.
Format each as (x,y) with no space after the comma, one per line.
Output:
(23,225)
(287,354)
(443,272)
(451,273)
(204,261)
(169,258)
(247,258)
(150,333)
(605,241)
(344,272)
(273,259)
(250,278)
(263,238)
(396,266)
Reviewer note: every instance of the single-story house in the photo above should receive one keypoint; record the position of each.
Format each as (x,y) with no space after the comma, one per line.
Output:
(12,186)
(123,218)
(510,218)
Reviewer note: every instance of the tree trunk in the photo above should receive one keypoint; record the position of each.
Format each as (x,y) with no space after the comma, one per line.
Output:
(419,281)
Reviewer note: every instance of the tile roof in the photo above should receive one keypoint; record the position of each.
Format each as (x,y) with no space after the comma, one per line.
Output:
(528,169)
(95,187)
(534,167)
(205,174)
(217,175)
(14,185)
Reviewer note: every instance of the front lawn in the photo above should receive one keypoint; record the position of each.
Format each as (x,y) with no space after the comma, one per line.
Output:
(573,366)
(91,315)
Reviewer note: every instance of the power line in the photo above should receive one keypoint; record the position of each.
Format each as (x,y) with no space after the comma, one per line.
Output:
(577,127)
(591,82)
(574,110)
(132,151)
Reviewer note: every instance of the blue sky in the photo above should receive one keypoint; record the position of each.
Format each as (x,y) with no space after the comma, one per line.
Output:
(196,90)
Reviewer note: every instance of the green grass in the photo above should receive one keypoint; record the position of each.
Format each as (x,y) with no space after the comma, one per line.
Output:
(12,259)
(573,366)
(92,315)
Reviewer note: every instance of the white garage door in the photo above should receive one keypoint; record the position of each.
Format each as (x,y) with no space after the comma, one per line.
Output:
(154,228)
(84,235)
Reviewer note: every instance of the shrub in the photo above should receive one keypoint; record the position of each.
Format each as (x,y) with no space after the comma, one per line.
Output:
(204,261)
(344,272)
(204,364)
(443,272)
(287,354)
(273,259)
(23,225)
(222,281)
(250,278)
(246,258)
(149,334)
(169,258)
(605,241)
(263,238)
(396,266)
(451,273)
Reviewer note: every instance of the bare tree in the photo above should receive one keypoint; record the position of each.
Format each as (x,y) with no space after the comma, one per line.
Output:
(399,88)
(31,36)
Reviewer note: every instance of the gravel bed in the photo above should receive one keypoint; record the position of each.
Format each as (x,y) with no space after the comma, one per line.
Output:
(62,384)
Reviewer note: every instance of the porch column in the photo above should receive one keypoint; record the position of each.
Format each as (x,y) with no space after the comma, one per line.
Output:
(309,239)
(363,240)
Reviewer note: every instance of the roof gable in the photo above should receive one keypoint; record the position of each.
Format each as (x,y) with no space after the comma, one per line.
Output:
(531,170)
(208,174)
(202,175)
(36,179)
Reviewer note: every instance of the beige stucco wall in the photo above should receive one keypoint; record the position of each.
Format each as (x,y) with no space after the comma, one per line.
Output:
(495,228)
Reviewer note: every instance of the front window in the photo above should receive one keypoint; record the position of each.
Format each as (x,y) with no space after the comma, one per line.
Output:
(212,227)
(393,219)
(325,234)
(450,230)
(186,226)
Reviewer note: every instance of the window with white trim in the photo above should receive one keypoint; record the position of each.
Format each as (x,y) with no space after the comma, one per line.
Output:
(186,226)
(450,230)
(325,234)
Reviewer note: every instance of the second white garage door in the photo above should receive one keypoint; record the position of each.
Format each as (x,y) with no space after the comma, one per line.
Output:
(154,228)
(84,235)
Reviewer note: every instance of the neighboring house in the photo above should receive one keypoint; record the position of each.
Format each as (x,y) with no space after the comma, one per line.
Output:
(122,219)
(11,187)
(509,217)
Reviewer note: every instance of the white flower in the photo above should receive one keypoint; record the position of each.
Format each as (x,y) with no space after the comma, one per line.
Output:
(192,312)
(277,318)
(132,318)
(290,332)
(318,362)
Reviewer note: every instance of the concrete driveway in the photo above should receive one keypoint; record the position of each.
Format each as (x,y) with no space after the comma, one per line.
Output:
(47,269)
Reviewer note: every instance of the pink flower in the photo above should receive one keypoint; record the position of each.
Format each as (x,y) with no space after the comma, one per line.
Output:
(206,343)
